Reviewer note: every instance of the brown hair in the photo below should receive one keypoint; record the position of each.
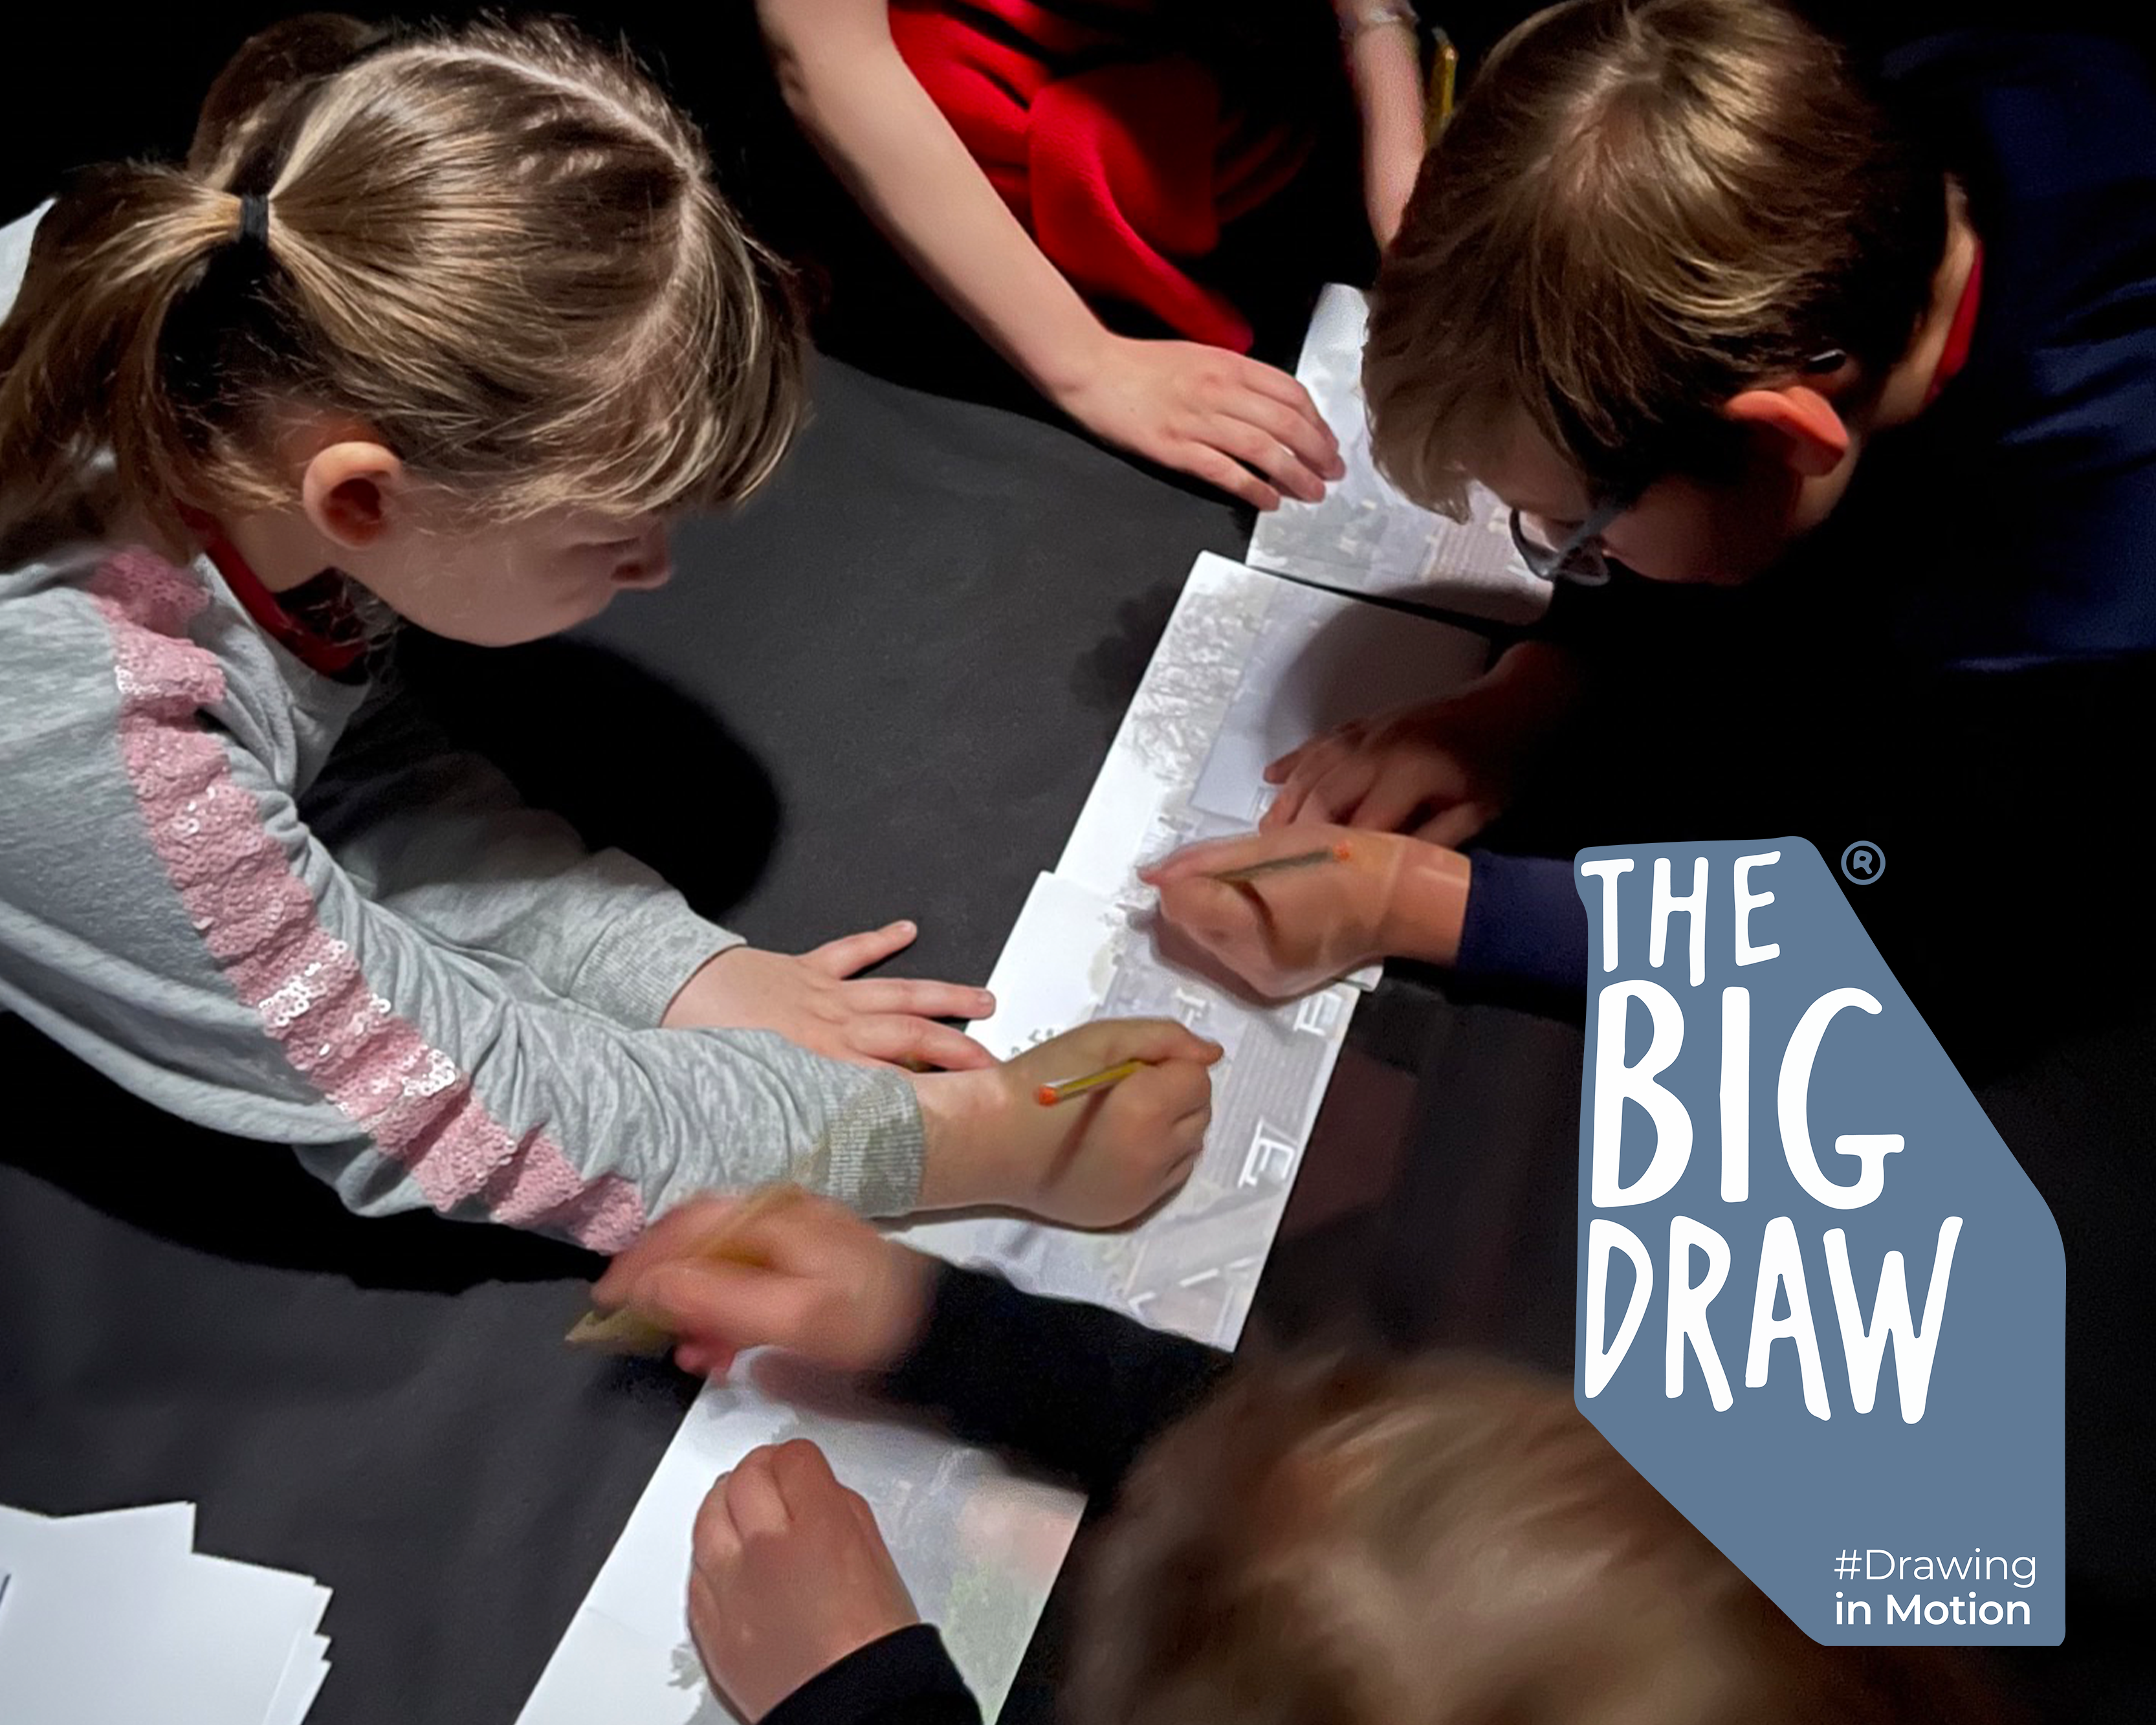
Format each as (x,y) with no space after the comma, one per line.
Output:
(1446,1542)
(1642,208)
(499,249)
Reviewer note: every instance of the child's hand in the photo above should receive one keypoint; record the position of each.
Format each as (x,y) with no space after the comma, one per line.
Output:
(1439,769)
(882,1021)
(808,1275)
(1205,411)
(1286,933)
(790,1575)
(1093,1162)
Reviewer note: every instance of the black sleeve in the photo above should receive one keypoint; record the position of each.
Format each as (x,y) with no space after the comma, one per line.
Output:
(1075,1390)
(905,1679)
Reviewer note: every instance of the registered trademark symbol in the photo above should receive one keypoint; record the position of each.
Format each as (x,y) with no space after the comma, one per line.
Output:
(1863,863)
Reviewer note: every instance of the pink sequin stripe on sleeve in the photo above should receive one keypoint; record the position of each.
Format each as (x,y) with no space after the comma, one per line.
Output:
(262,924)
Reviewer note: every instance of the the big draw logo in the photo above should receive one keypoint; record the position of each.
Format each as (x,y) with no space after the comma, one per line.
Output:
(1822,1307)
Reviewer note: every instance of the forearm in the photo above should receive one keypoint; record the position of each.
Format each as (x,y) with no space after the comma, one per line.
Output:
(253,989)
(1428,909)
(1384,69)
(854,94)
(441,837)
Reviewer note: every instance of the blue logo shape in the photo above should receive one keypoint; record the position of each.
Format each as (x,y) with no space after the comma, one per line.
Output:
(1822,1307)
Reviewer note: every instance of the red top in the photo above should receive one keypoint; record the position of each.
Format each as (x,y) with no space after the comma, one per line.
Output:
(1123,161)
(314,622)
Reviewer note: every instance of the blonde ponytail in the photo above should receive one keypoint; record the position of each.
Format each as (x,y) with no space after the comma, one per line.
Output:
(498,247)
(81,353)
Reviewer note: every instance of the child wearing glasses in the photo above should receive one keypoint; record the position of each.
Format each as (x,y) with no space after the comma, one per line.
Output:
(1827,401)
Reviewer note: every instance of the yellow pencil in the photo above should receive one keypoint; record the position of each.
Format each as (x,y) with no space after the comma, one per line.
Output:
(1048,1095)
(623,1332)
(1443,71)
(1301,860)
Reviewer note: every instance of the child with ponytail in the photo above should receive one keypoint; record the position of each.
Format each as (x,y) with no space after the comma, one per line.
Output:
(440,328)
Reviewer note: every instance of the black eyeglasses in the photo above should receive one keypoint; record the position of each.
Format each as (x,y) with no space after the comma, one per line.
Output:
(1578,557)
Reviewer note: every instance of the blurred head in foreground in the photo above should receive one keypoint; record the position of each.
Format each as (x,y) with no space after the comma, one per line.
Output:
(1444,1541)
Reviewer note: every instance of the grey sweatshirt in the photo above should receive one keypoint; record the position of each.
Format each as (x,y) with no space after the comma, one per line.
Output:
(271,901)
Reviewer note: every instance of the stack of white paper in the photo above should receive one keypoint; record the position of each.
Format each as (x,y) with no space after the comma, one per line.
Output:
(116,1619)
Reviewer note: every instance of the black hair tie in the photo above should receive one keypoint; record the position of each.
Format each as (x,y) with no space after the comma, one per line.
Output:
(253,219)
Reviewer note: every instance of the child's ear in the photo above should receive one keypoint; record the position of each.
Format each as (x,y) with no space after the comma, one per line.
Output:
(1798,423)
(349,491)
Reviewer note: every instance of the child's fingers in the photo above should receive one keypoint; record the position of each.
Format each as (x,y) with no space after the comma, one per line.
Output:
(678,1234)
(1225,474)
(1109,1042)
(852,952)
(1312,442)
(1333,796)
(752,1500)
(1210,911)
(719,1306)
(803,1476)
(1271,380)
(1314,762)
(700,1359)
(1172,1090)
(1280,770)
(1392,797)
(920,999)
(1205,857)
(864,1517)
(1184,1141)
(717,1542)
(1454,827)
(1175,1175)
(1255,447)
(1171,1104)
(921,1041)
(1280,811)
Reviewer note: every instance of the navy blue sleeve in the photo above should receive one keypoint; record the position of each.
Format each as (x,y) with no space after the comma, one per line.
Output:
(1525,922)
(906,1678)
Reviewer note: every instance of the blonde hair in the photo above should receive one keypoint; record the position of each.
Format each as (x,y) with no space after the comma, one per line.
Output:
(1640,208)
(1444,1541)
(498,248)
